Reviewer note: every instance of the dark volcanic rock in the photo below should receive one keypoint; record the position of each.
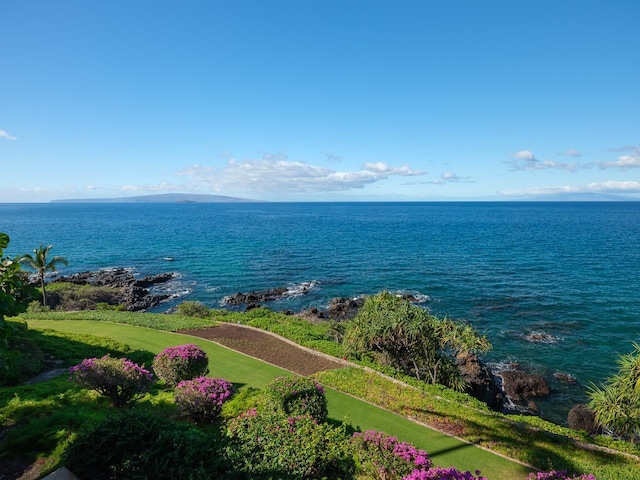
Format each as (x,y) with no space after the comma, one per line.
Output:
(345,308)
(339,309)
(520,386)
(480,380)
(582,417)
(254,298)
(134,293)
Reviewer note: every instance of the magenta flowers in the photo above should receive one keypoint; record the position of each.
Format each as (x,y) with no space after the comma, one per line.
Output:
(182,362)
(202,398)
(118,379)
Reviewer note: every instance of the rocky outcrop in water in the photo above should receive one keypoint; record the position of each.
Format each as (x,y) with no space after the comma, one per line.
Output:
(255,298)
(133,294)
(521,387)
(581,417)
(480,380)
(339,309)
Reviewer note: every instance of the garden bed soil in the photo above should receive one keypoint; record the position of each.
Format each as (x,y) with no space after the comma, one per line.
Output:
(267,347)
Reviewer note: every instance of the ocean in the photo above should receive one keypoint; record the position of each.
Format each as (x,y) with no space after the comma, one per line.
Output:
(554,286)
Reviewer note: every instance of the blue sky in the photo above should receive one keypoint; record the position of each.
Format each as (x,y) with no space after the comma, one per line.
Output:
(319,100)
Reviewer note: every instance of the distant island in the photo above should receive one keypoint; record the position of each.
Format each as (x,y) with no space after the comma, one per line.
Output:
(162,198)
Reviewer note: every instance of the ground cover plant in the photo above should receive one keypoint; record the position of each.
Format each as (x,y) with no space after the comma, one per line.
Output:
(296,396)
(626,468)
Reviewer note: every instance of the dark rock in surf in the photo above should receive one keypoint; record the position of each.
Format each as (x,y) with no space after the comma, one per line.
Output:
(256,297)
(520,386)
(581,417)
(339,309)
(480,380)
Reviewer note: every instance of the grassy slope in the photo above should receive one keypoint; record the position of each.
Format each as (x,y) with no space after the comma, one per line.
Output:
(245,371)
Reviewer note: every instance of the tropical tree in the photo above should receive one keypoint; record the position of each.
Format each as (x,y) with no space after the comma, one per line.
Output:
(39,262)
(408,338)
(616,404)
(15,295)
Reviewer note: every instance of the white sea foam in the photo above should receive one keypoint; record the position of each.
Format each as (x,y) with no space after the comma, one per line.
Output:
(299,289)
(540,336)
(413,296)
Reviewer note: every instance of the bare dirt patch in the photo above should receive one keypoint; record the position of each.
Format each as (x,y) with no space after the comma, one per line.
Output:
(267,347)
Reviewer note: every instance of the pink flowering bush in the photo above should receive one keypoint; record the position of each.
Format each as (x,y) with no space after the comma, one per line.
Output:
(202,398)
(382,456)
(182,362)
(118,379)
(296,396)
(440,473)
(559,475)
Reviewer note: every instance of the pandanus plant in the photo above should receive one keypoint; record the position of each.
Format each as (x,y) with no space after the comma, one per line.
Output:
(39,262)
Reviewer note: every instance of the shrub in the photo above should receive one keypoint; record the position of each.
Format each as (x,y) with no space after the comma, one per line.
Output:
(295,396)
(382,456)
(182,362)
(440,473)
(139,445)
(202,398)
(193,309)
(558,475)
(118,379)
(271,445)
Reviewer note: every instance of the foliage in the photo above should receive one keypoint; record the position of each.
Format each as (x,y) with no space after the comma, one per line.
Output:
(140,445)
(408,338)
(15,291)
(70,297)
(617,403)
(246,399)
(118,379)
(193,309)
(383,456)
(559,475)
(39,262)
(295,396)
(182,362)
(202,398)
(15,294)
(440,473)
(270,445)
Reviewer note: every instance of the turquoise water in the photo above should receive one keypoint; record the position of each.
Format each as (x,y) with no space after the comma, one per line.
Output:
(565,272)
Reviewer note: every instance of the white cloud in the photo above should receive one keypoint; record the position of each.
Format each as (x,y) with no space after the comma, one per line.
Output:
(525,155)
(274,173)
(452,177)
(570,152)
(5,134)
(610,186)
(624,162)
(525,160)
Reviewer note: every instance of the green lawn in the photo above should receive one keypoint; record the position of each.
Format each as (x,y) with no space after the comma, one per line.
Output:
(248,372)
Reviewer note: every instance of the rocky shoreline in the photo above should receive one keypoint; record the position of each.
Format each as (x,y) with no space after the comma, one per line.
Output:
(132,294)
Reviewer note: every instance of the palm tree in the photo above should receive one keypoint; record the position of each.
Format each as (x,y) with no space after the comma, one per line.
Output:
(40,264)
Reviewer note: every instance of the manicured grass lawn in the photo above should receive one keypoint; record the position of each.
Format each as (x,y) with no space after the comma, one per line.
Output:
(248,372)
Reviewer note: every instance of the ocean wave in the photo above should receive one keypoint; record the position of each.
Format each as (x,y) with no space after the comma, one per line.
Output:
(413,296)
(174,288)
(300,289)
